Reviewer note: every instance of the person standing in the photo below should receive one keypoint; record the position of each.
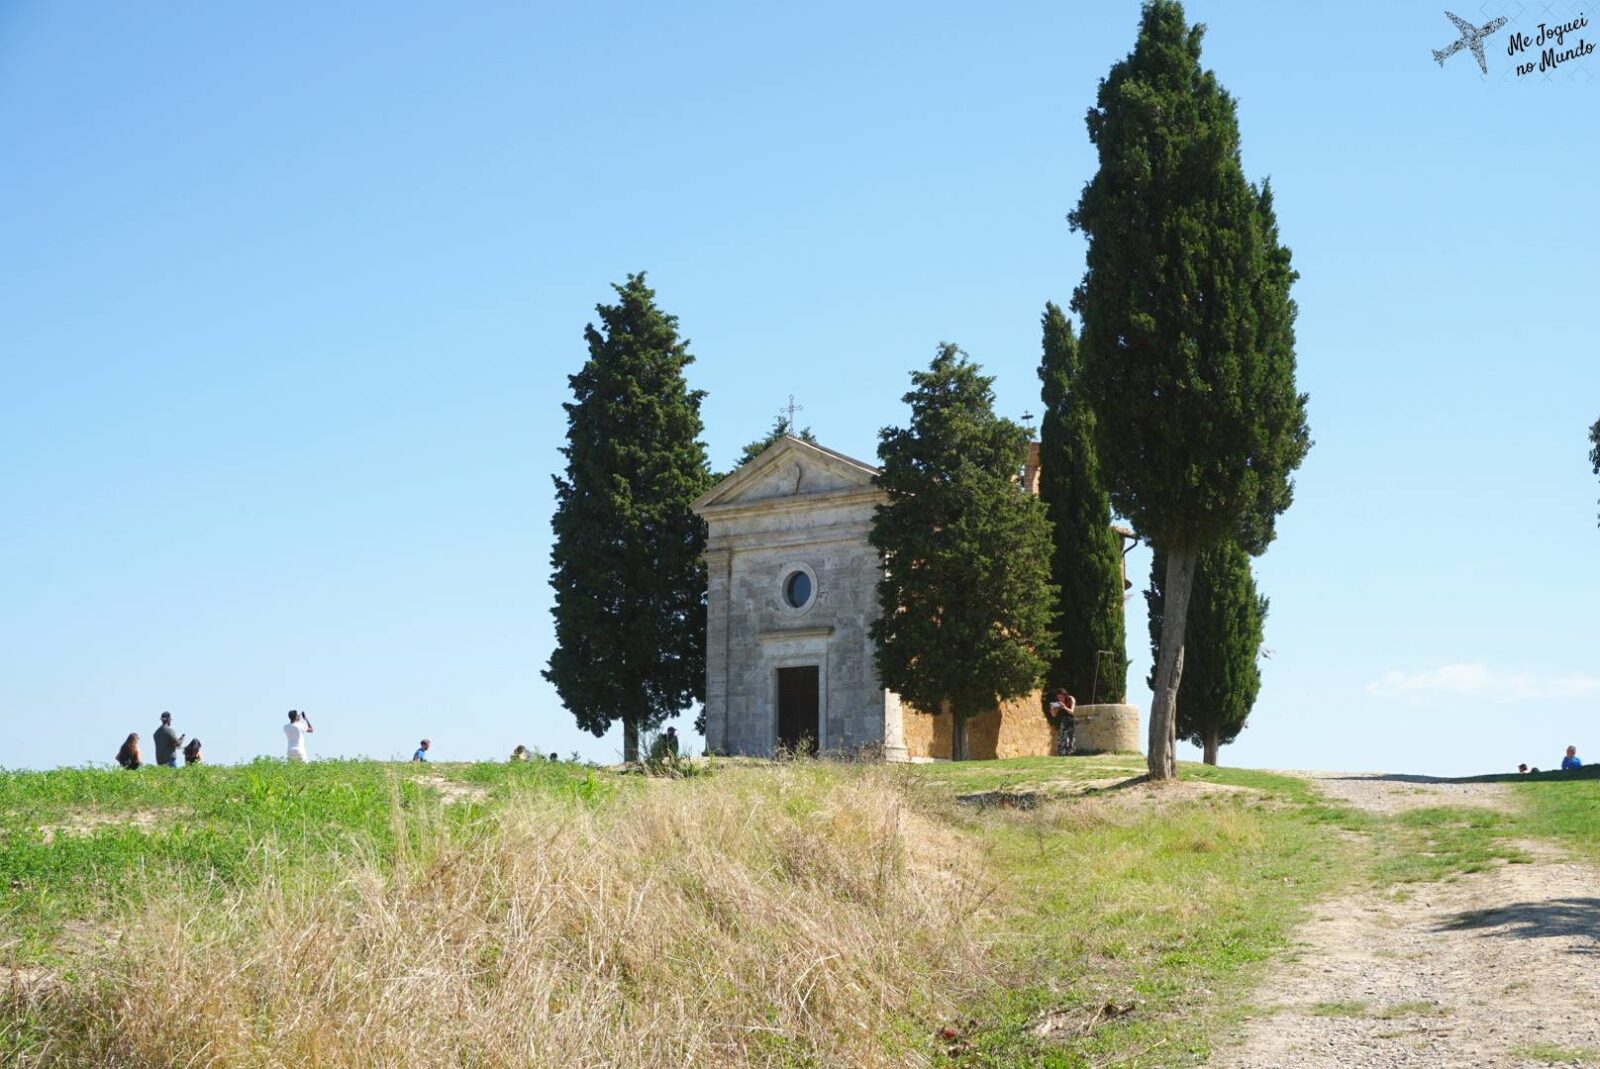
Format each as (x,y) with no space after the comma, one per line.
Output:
(296,730)
(1061,709)
(1572,760)
(421,756)
(168,743)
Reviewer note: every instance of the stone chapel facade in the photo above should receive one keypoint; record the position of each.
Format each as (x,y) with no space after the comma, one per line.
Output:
(792,588)
(792,591)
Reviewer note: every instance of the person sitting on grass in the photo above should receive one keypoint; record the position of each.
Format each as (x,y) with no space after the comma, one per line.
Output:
(191,753)
(1060,710)
(1572,760)
(421,756)
(128,756)
(521,753)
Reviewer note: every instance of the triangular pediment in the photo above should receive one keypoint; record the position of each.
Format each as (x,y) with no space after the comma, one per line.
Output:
(789,468)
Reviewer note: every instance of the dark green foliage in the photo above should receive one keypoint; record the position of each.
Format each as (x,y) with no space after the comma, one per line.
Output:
(1086,564)
(966,594)
(1594,446)
(1222,675)
(1188,327)
(629,586)
(780,427)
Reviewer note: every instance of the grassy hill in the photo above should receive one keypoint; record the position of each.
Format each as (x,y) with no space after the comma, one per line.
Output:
(1034,912)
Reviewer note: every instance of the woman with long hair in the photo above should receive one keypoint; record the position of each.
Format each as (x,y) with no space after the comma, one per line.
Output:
(191,752)
(128,756)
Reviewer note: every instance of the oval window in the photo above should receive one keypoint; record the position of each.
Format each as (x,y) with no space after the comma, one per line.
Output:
(797,589)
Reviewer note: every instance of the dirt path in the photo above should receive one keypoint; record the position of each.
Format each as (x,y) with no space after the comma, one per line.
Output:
(1494,969)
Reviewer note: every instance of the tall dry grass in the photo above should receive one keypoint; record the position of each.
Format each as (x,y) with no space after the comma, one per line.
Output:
(801,915)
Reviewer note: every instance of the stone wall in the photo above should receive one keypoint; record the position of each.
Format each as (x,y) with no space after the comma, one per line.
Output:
(1019,729)
(1016,729)
(1108,729)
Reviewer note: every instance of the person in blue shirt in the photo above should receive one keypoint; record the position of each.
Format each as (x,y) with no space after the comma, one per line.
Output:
(1572,760)
(421,756)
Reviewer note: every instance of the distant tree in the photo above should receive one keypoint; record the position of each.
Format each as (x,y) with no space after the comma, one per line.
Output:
(1594,446)
(966,596)
(1086,564)
(780,427)
(1225,632)
(1188,327)
(629,584)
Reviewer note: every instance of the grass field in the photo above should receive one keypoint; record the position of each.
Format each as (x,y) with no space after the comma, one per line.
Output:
(1032,912)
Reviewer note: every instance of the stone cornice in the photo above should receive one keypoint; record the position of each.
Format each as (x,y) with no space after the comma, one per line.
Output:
(795,503)
(833,534)
(795,632)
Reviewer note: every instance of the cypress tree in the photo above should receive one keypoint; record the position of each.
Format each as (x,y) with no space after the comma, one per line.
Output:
(1594,446)
(780,427)
(629,583)
(1086,561)
(1188,327)
(965,597)
(1223,643)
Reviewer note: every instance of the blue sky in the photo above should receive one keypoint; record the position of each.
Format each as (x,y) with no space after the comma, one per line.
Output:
(289,297)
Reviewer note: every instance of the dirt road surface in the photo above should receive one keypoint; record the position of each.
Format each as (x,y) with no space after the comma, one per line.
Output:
(1495,970)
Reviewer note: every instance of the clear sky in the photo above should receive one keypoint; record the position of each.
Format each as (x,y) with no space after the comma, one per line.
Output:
(289,295)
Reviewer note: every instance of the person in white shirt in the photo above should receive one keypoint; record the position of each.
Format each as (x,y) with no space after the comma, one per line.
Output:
(296,730)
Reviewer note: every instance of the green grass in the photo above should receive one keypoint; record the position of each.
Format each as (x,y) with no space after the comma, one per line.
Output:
(1416,1008)
(1349,1008)
(1424,845)
(1555,1054)
(1565,811)
(1136,917)
(79,845)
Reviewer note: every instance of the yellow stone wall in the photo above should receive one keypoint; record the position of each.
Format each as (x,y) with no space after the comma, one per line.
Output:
(1019,729)
(1016,729)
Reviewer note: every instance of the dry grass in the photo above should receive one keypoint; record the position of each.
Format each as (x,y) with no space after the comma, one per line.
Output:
(784,917)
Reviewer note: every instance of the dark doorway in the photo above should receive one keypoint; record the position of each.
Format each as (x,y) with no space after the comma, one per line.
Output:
(797,710)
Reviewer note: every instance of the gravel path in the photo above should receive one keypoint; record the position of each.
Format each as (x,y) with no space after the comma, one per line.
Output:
(1378,793)
(1496,969)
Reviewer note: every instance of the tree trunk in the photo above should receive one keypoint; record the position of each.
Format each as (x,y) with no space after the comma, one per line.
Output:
(1163,761)
(958,736)
(630,739)
(1210,741)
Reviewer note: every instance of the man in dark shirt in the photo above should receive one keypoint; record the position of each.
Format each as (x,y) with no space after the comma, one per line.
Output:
(168,743)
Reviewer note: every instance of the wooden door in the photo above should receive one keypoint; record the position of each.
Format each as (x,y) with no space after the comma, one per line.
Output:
(798,702)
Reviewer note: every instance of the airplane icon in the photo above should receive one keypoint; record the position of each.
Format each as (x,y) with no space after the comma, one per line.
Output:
(1471,37)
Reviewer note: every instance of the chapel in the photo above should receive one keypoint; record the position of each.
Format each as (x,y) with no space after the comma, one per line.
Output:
(791,593)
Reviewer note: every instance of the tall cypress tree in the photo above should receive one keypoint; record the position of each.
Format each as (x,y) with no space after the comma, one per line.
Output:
(1086,564)
(1226,627)
(629,583)
(1188,327)
(965,597)
(1594,446)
